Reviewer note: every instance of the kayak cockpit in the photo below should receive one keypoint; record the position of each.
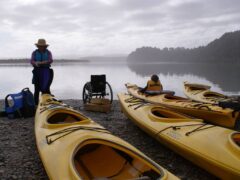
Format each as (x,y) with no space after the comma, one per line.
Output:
(210,94)
(234,142)
(198,88)
(64,118)
(165,115)
(236,139)
(175,98)
(161,113)
(100,161)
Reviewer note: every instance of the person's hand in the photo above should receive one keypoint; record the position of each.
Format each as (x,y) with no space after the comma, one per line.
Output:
(37,64)
(44,62)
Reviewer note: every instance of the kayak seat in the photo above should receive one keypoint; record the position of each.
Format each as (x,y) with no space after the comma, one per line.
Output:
(62,118)
(96,161)
(159,114)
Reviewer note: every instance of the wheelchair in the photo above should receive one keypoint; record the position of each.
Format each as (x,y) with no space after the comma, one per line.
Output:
(97,88)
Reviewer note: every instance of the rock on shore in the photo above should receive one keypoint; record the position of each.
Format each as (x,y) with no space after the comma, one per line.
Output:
(19,157)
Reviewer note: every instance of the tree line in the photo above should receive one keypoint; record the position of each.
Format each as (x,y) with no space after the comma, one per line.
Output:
(226,49)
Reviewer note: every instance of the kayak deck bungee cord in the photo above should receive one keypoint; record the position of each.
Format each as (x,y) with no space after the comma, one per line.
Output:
(214,148)
(72,146)
(214,114)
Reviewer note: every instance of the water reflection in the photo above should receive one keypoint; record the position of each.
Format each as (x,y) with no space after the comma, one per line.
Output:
(223,75)
(70,79)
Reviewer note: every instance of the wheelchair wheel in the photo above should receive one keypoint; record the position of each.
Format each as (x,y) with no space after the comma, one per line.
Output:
(87,93)
(109,92)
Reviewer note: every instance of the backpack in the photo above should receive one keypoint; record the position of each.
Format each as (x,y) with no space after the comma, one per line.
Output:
(20,105)
(28,109)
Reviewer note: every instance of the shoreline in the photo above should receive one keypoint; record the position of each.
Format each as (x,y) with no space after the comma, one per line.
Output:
(19,158)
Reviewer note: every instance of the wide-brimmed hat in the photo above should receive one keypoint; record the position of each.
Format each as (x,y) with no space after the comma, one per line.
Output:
(41,42)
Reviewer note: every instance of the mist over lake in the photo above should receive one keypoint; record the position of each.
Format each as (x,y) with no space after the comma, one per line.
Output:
(69,78)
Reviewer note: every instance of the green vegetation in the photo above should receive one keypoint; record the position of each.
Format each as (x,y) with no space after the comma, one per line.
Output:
(226,49)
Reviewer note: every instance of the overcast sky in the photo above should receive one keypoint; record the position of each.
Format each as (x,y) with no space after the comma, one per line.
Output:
(77,28)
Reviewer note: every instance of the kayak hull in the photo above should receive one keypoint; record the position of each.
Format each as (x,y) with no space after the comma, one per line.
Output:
(202,93)
(210,147)
(72,146)
(225,117)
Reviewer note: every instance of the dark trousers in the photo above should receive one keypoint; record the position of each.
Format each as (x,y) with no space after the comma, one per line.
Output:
(38,80)
(37,91)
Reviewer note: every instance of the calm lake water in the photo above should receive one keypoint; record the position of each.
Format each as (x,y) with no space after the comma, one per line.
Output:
(69,79)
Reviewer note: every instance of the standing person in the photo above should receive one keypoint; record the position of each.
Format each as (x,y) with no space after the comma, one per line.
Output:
(153,84)
(42,73)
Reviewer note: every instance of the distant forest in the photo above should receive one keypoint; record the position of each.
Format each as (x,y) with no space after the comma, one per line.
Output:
(226,49)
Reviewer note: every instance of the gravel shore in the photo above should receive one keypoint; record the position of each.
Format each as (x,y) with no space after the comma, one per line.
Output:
(19,157)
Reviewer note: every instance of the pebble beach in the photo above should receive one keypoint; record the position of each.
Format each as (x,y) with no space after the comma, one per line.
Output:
(19,157)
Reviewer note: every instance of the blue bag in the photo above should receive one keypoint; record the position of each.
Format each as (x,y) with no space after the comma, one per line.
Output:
(20,104)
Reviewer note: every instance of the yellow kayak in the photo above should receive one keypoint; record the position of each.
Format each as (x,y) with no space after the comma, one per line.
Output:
(215,149)
(202,93)
(73,146)
(214,114)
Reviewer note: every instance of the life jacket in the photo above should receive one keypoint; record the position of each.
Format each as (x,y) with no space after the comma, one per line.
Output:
(154,86)
(22,104)
(41,56)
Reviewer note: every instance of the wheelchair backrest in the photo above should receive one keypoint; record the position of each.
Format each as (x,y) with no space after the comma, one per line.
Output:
(98,83)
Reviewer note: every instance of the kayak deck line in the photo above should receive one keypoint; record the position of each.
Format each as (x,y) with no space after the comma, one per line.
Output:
(54,106)
(199,128)
(217,149)
(211,113)
(198,105)
(143,103)
(70,130)
(203,93)
(73,146)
